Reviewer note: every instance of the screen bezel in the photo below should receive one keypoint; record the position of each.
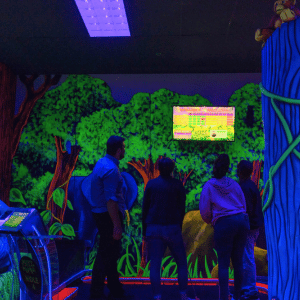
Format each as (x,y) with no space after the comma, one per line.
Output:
(202,141)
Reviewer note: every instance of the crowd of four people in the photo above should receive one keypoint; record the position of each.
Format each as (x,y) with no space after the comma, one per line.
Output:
(234,209)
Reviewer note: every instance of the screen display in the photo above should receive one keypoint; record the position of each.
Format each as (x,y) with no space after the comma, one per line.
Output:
(15,219)
(203,123)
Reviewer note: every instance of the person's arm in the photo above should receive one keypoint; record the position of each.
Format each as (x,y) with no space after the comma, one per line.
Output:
(258,208)
(205,205)
(182,203)
(145,208)
(113,210)
(241,196)
(111,182)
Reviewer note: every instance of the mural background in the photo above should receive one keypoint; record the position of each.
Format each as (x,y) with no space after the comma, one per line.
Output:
(82,111)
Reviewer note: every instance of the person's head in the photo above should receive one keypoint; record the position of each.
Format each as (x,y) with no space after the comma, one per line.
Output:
(244,169)
(166,166)
(116,147)
(221,166)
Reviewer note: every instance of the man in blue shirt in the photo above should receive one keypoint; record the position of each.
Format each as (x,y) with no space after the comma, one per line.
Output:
(108,208)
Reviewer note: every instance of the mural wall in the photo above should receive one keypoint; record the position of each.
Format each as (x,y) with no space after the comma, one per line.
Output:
(67,132)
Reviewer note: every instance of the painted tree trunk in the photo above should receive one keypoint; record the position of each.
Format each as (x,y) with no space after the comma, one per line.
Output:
(281,76)
(8,81)
(11,126)
(65,165)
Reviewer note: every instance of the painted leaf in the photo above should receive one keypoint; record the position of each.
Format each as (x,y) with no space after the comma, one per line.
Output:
(15,195)
(69,204)
(55,228)
(46,215)
(58,197)
(68,230)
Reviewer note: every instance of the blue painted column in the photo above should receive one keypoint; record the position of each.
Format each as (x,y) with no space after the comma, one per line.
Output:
(281,76)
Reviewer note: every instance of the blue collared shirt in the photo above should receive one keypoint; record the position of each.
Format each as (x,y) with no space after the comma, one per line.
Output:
(106,184)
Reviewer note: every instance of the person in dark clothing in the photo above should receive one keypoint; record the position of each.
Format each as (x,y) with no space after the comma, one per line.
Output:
(108,208)
(222,204)
(256,218)
(162,217)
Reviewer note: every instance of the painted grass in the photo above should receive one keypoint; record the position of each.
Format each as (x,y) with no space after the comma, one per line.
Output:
(168,266)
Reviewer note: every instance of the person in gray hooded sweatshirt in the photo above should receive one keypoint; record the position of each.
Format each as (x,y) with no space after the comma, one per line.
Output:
(222,204)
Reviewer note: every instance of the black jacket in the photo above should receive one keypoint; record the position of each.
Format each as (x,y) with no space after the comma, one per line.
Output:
(164,202)
(253,203)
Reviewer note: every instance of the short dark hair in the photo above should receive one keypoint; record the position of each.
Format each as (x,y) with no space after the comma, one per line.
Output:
(221,166)
(166,166)
(113,144)
(246,168)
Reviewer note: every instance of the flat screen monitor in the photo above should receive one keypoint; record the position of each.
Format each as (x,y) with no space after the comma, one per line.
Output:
(203,123)
(15,219)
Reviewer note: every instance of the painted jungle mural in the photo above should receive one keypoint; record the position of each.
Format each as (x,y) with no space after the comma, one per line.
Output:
(66,134)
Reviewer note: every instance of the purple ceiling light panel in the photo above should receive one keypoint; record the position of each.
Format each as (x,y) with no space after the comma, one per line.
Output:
(104,18)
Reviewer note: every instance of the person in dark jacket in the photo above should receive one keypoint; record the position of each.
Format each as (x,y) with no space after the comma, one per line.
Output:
(222,204)
(162,217)
(256,218)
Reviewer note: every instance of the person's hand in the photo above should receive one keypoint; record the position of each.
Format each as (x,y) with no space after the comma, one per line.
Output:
(117,233)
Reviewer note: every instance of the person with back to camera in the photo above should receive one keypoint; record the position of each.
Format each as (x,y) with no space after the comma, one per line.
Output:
(162,217)
(256,218)
(222,204)
(108,207)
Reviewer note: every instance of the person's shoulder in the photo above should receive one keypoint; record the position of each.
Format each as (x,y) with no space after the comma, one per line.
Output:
(210,183)
(228,179)
(152,182)
(107,166)
(233,183)
(109,163)
(251,184)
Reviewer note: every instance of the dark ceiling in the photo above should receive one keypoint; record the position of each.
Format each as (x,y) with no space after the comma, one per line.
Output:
(167,36)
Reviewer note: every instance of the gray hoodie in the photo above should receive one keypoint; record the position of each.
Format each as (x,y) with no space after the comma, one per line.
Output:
(219,198)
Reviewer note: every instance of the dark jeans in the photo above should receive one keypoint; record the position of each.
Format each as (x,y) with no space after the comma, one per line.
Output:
(108,253)
(230,235)
(159,237)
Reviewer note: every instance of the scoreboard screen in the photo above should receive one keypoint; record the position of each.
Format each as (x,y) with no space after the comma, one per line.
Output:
(203,123)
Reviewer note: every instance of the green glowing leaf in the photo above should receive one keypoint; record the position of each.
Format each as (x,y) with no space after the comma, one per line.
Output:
(207,269)
(67,230)
(46,215)
(58,197)
(195,275)
(69,204)
(15,195)
(129,266)
(55,228)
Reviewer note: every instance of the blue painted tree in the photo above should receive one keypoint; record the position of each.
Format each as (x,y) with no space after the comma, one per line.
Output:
(281,117)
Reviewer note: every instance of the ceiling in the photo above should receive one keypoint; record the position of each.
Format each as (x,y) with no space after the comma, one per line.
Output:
(167,36)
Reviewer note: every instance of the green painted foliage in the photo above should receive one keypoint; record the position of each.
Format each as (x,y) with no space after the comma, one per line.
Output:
(36,196)
(9,286)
